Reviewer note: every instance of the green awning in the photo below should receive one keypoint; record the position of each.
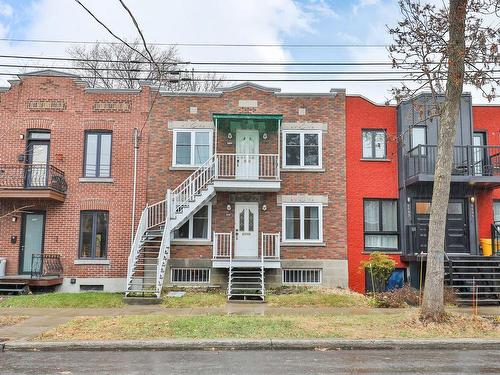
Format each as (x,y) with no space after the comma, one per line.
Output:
(229,123)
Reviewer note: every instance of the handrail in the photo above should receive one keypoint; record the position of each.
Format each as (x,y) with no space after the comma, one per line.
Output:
(165,241)
(450,267)
(46,265)
(270,245)
(495,236)
(247,166)
(32,176)
(141,229)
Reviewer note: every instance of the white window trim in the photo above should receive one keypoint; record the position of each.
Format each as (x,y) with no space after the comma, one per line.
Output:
(301,206)
(192,131)
(190,238)
(190,269)
(319,270)
(302,166)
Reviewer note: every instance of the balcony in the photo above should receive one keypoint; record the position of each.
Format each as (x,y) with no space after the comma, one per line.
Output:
(476,165)
(32,181)
(225,253)
(247,172)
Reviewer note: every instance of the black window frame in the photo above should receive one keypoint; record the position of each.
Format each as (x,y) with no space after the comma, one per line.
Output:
(99,133)
(94,232)
(373,132)
(381,232)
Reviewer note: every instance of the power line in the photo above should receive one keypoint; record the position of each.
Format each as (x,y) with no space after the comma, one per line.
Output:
(180,44)
(195,79)
(196,71)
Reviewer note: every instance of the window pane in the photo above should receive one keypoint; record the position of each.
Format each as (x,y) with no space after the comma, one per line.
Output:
(105,160)
(183,148)
(39,135)
(292,223)
(292,149)
(455,208)
(202,147)
(91,155)
(311,223)
(418,136)
(242,220)
(496,211)
(311,149)
(101,234)
(380,144)
(389,216)
(423,208)
(250,221)
(183,231)
(383,242)
(86,235)
(372,216)
(367,145)
(200,223)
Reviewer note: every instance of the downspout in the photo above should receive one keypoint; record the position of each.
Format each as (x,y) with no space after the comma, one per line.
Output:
(134,188)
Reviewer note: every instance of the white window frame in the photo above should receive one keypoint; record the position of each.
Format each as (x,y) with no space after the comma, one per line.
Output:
(302,166)
(302,270)
(190,221)
(193,137)
(190,269)
(302,206)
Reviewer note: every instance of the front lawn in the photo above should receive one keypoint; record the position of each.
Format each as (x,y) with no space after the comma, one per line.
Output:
(400,324)
(194,298)
(317,297)
(66,300)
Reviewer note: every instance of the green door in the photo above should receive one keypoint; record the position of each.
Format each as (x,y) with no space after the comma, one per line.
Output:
(33,228)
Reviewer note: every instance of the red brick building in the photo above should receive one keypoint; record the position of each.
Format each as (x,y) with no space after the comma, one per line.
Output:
(67,157)
(390,155)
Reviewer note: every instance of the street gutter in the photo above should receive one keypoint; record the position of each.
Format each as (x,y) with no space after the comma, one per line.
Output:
(265,344)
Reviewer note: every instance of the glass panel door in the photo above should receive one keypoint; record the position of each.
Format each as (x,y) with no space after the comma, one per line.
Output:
(38,159)
(32,239)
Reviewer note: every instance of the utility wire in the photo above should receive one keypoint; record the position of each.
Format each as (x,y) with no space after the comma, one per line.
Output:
(228,63)
(253,80)
(180,71)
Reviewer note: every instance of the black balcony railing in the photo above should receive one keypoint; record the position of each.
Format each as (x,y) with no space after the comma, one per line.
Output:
(43,265)
(32,176)
(467,160)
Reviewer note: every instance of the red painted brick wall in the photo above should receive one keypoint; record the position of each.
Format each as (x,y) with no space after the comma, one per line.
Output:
(67,140)
(487,118)
(325,109)
(366,179)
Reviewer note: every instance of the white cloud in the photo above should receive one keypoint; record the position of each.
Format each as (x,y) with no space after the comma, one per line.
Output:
(6,10)
(362,4)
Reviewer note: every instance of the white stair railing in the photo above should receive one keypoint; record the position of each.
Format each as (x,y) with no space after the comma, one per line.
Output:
(222,245)
(270,245)
(161,264)
(248,166)
(191,186)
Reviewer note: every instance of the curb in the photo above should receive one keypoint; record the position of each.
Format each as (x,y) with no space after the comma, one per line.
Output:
(269,344)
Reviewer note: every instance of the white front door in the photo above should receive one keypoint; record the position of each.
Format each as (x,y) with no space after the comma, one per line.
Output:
(247,154)
(246,218)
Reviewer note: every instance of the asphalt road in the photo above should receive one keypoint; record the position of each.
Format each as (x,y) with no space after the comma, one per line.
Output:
(252,362)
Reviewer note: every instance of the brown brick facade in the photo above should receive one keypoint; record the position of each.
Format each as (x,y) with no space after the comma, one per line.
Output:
(330,181)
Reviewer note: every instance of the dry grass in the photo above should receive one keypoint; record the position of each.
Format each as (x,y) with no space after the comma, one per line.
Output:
(400,324)
(194,298)
(10,320)
(316,297)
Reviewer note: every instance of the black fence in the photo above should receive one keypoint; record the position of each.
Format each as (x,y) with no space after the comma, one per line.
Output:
(32,176)
(43,265)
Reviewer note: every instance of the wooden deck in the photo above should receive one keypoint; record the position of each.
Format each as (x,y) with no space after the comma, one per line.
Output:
(27,280)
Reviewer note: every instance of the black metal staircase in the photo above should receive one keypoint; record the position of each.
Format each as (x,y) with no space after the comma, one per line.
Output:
(474,278)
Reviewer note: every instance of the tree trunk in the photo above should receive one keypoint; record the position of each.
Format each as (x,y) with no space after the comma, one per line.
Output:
(433,301)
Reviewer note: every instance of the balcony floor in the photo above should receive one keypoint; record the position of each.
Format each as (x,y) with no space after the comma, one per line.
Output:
(246,262)
(247,185)
(45,194)
(489,182)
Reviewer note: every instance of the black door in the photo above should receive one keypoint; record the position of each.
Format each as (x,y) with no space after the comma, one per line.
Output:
(457,239)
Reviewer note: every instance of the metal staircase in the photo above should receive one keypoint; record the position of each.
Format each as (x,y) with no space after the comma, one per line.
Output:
(147,262)
(474,278)
(246,283)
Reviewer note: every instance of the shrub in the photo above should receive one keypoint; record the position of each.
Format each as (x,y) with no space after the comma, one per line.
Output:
(407,296)
(379,267)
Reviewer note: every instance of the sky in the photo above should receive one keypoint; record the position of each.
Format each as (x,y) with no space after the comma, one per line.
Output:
(280,22)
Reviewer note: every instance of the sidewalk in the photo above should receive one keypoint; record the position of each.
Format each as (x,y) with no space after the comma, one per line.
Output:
(42,319)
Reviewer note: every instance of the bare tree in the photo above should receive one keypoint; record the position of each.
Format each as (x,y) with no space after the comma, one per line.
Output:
(444,48)
(117,65)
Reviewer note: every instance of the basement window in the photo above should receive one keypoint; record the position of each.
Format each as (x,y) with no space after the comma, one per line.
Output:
(190,275)
(91,288)
(301,276)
